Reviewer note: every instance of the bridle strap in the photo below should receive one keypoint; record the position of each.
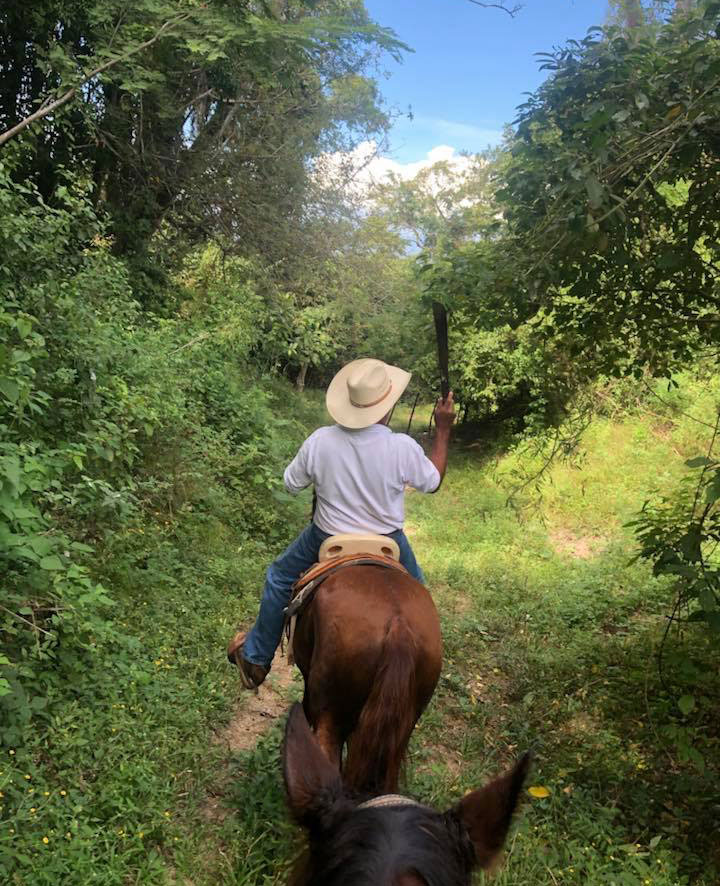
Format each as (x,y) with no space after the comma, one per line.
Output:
(387,800)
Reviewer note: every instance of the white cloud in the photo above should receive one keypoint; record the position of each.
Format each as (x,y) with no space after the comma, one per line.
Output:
(364,167)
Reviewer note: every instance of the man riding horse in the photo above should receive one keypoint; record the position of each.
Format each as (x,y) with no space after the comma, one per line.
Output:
(359,469)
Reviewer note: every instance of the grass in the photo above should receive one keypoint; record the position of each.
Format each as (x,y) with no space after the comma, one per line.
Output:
(550,643)
(555,651)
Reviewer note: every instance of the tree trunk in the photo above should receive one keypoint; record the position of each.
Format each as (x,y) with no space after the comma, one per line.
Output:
(300,380)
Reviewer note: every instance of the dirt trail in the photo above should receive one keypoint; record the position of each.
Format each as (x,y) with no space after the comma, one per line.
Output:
(255,714)
(582,547)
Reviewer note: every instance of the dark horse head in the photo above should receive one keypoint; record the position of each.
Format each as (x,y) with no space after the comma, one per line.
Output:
(353,844)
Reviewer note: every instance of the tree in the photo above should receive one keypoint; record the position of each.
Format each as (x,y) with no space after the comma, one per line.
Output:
(608,259)
(208,113)
(636,15)
(447,201)
(609,243)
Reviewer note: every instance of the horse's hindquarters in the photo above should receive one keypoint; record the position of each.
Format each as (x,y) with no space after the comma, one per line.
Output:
(367,629)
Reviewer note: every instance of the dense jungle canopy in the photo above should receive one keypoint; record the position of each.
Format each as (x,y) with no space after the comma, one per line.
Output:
(186,244)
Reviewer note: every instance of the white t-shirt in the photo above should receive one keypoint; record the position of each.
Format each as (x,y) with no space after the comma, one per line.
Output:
(360,477)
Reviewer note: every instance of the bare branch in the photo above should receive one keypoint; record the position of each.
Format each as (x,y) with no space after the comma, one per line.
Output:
(512,11)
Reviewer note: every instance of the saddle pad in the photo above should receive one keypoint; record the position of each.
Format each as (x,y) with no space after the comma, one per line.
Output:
(336,563)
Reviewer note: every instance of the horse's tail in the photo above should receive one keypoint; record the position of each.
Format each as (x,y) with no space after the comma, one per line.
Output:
(378,743)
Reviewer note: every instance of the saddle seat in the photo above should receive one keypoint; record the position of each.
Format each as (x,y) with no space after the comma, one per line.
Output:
(337,552)
(356,543)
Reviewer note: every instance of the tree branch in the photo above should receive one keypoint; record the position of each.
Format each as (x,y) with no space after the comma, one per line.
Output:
(511,11)
(47,108)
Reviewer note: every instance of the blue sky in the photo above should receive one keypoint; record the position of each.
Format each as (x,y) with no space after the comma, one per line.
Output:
(470,66)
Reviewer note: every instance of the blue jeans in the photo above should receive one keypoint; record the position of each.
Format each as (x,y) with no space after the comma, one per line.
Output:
(265,635)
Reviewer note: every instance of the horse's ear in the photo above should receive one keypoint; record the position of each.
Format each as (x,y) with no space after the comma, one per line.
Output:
(487,812)
(312,782)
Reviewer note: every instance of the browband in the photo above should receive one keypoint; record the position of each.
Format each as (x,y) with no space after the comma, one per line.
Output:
(388,800)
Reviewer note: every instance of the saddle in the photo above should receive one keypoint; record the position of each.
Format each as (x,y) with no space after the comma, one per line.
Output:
(336,553)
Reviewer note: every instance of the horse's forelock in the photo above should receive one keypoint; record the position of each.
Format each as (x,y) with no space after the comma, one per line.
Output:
(388,847)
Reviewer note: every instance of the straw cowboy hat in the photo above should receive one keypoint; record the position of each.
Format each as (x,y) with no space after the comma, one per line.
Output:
(364,391)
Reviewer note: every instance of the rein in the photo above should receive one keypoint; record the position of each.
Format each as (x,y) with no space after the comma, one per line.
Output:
(387,800)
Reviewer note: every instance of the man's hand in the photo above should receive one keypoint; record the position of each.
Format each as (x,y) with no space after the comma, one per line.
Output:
(445,412)
(444,418)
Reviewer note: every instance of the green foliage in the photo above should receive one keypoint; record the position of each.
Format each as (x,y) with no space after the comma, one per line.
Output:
(110,417)
(680,535)
(445,203)
(57,454)
(601,252)
(206,113)
(609,258)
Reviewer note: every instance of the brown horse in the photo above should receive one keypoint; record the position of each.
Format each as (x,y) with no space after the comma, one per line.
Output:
(370,650)
(389,841)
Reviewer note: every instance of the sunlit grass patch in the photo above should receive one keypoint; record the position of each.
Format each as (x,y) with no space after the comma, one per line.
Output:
(551,637)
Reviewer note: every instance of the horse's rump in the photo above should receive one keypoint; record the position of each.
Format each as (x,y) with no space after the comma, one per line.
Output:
(370,650)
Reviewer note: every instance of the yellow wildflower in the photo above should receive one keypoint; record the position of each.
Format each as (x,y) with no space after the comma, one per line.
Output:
(46,840)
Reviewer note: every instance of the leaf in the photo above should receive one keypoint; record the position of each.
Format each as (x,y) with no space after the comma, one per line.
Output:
(699,461)
(539,792)
(79,546)
(10,471)
(713,490)
(694,755)
(655,841)
(51,563)
(23,327)
(686,703)
(595,191)
(689,544)
(10,389)
(642,101)
(41,544)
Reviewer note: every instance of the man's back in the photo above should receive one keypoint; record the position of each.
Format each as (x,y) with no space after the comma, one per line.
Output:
(360,477)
